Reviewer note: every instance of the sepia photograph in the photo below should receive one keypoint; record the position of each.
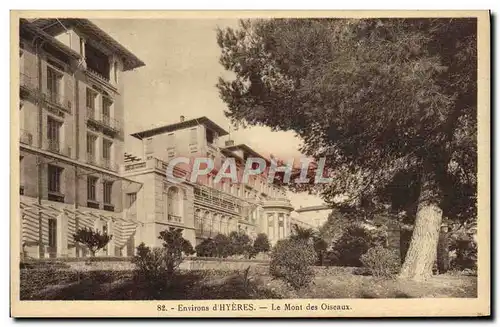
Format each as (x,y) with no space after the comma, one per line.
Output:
(291,164)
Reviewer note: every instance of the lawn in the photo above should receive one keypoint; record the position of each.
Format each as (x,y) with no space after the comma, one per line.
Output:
(64,284)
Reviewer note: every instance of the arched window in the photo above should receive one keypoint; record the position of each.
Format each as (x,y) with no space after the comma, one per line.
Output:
(215,224)
(197,219)
(205,224)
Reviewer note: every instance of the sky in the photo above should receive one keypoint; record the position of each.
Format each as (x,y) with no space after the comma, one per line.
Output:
(182,68)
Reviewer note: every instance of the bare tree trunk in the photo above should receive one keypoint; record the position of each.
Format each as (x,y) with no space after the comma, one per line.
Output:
(422,252)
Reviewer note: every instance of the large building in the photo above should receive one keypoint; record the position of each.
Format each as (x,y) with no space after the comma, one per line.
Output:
(71,116)
(203,208)
(73,169)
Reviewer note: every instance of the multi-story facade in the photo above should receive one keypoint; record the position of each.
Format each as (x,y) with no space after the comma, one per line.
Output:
(72,137)
(202,208)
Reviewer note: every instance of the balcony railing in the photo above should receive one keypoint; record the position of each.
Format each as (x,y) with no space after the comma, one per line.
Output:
(91,114)
(91,159)
(25,137)
(111,122)
(97,75)
(108,164)
(55,146)
(57,99)
(104,121)
(174,218)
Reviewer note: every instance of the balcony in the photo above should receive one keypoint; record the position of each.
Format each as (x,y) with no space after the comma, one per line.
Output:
(103,121)
(217,199)
(91,159)
(25,137)
(174,218)
(57,100)
(97,75)
(108,164)
(55,146)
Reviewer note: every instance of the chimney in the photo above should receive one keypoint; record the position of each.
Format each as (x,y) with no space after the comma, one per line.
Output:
(182,118)
(229,142)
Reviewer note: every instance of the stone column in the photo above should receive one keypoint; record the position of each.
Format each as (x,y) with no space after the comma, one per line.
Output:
(111,244)
(276,226)
(62,235)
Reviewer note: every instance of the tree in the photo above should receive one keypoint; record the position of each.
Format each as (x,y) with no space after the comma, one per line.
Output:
(223,247)
(261,244)
(206,248)
(302,233)
(92,239)
(241,243)
(397,100)
(175,247)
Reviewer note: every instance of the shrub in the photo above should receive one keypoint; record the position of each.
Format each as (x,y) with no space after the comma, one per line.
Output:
(381,262)
(157,266)
(291,261)
(206,248)
(355,241)
(150,266)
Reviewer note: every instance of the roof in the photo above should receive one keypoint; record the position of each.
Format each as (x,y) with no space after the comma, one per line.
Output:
(25,24)
(181,125)
(53,26)
(314,208)
(246,149)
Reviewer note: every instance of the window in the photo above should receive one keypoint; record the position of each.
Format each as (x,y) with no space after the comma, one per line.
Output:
(210,136)
(53,84)
(52,233)
(171,140)
(90,96)
(91,139)
(97,61)
(91,188)
(131,198)
(106,150)
(107,186)
(130,203)
(106,107)
(193,136)
(53,128)
(148,145)
(174,205)
(54,175)
(171,145)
